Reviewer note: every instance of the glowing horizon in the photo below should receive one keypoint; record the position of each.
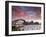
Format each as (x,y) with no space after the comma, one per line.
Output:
(26,13)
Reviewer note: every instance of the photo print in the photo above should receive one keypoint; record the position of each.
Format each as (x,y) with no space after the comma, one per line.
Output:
(24,18)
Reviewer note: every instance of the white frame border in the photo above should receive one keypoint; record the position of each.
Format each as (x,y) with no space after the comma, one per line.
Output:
(24,32)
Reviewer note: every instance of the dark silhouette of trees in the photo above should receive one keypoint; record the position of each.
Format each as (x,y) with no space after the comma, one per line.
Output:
(25,22)
(36,23)
(31,22)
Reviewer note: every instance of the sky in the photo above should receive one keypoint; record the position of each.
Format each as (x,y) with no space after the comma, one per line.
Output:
(26,12)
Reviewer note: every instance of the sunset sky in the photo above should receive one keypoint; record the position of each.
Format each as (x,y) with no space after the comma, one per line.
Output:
(26,12)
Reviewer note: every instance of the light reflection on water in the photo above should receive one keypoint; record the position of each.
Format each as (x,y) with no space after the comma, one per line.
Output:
(31,27)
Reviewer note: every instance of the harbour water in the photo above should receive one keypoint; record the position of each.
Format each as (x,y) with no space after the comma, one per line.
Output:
(31,27)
